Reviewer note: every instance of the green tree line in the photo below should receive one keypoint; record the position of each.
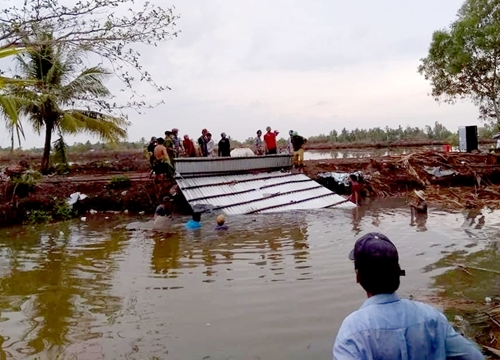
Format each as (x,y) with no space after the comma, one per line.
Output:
(374,135)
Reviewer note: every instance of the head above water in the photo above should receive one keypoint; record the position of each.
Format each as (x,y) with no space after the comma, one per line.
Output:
(376,262)
(197,216)
(420,194)
(221,219)
(167,199)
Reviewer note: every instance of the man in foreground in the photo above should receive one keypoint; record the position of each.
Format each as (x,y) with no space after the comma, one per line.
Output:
(387,327)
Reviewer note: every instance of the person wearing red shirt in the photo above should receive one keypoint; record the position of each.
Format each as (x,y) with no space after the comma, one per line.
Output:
(270,140)
(188,144)
(356,189)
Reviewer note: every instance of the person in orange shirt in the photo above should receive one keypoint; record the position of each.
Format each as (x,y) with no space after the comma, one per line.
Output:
(270,141)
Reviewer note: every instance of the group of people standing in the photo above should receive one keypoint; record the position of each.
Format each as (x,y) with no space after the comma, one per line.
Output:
(163,149)
(206,145)
(269,145)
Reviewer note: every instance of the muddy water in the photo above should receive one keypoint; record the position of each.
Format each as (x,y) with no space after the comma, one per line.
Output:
(362,153)
(272,287)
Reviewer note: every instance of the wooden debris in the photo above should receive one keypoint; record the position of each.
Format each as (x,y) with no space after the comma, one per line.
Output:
(398,176)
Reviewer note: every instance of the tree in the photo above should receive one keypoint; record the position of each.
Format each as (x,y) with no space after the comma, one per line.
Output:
(107,28)
(463,60)
(111,29)
(61,94)
(8,107)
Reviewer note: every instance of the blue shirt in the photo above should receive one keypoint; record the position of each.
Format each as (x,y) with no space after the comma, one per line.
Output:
(191,224)
(387,327)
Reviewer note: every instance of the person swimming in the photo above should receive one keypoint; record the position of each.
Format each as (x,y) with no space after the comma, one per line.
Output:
(221,223)
(194,223)
(164,209)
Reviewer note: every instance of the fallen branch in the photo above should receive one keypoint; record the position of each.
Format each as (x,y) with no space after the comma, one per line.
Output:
(492,350)
(478,268)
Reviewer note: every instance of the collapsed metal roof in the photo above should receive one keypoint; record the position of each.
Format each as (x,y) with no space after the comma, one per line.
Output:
(259,193)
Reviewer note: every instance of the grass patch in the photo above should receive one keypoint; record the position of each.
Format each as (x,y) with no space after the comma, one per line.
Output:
(120,182)
(26,182)
(63,211)
(38,217)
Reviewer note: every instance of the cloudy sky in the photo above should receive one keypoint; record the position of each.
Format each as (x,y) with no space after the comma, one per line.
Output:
(311,66)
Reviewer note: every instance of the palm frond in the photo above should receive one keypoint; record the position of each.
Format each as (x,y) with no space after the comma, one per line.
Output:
(10,109)
(88,82)
(107,128)
(10,106)
(10,51)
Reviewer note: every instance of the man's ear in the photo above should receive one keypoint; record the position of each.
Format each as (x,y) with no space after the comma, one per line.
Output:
(357,275)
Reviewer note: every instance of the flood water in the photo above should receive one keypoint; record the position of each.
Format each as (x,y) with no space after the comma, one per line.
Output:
(271,287)
(364,153)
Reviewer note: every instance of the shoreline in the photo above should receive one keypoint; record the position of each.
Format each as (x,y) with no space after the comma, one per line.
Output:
(7,157)
(122,183)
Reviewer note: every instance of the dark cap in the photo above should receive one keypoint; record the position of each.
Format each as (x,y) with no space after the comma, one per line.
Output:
(376,250)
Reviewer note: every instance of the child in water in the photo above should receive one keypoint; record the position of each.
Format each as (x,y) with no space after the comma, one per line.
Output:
(194,223)
(220,223)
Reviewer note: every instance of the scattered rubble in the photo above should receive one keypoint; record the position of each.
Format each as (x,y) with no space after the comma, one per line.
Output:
(451,180)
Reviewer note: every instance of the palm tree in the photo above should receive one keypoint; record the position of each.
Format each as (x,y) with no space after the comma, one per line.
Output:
(9,106)
(59,96)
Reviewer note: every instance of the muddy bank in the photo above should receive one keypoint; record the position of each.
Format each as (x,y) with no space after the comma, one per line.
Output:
(96,162)
(452,180)
(47,201)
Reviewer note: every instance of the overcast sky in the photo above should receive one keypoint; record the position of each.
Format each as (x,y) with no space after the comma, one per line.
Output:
(311,66)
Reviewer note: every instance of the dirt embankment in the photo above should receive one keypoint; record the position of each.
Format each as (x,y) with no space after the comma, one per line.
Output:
(138,195)
(449,179)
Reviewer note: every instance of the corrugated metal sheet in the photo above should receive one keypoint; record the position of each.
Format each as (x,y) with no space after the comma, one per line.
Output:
(204,166)
(259,193)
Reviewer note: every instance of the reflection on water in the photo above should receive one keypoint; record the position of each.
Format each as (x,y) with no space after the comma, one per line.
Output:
(274,286)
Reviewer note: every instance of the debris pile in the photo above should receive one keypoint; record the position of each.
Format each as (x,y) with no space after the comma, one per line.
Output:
(442,176)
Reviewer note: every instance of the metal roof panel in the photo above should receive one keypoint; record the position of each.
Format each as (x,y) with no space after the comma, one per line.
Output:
(256,193)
